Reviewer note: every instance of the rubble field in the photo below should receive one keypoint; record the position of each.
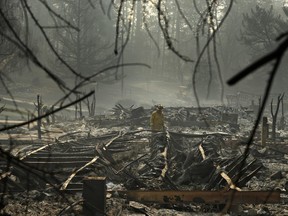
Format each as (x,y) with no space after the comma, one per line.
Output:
(203,149)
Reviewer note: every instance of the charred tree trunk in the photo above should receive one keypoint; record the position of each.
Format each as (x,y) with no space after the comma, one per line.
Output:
(282,119)
(76,108)
(91,106)
(80,108)
(39,108)
(264,131)
(274,115)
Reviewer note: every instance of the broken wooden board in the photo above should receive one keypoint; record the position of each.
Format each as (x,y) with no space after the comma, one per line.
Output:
(207,197)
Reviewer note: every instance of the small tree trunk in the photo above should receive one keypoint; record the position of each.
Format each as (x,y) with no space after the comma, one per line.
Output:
(76,109)
(39,114)
(264,131)
(94,104)
(274,115)
(80,108)
(282,119)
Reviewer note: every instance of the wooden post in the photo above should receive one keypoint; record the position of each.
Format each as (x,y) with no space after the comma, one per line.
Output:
(94,195)
(264,130)
(39,114)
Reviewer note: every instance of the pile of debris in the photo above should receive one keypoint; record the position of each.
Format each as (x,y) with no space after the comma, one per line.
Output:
(131,157)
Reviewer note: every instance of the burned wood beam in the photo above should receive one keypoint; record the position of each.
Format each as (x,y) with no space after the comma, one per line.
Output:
(132,162)
(165,155)
(229,181)
(239,173)
(109,162)
(106,157)
(118,150)
(71,133)
(120,134)
(235,163)
(246,178)
(52,158)
(233,173)
(165,178)
(50,166)
(104,136)
(62,155)
(201,197)
(37,150)
(199,135)
(202,151)
(64,185)
(229,173)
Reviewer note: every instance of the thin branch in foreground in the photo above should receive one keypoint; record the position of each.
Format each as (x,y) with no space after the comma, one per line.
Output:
(26,50)
(144,14)
(164,28)
(251,69)
(58,15)
(210,39)
(49,42)
(277,56)
(31,170)
(277,53)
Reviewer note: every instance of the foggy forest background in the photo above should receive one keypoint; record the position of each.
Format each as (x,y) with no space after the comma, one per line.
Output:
(142,52)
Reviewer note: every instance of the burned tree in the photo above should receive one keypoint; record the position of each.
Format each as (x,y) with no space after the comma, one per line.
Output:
(282,122)
(275,114)
(39,109)
(91,105)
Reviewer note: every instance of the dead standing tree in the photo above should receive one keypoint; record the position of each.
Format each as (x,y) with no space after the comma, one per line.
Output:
(274,115)
(91,106)
(78,108)
(39,107)
(282,119)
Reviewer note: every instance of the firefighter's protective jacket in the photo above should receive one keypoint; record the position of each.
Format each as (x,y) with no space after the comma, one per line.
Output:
(157,121)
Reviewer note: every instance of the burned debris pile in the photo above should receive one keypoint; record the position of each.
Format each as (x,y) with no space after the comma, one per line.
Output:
(198,152)
(197,164)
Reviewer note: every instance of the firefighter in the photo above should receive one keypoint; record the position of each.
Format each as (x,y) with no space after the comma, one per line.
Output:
(157,119)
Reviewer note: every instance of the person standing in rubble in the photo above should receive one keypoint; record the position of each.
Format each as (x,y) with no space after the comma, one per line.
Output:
(157,119)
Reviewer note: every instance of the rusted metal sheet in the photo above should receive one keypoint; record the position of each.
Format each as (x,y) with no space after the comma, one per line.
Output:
(208,197)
